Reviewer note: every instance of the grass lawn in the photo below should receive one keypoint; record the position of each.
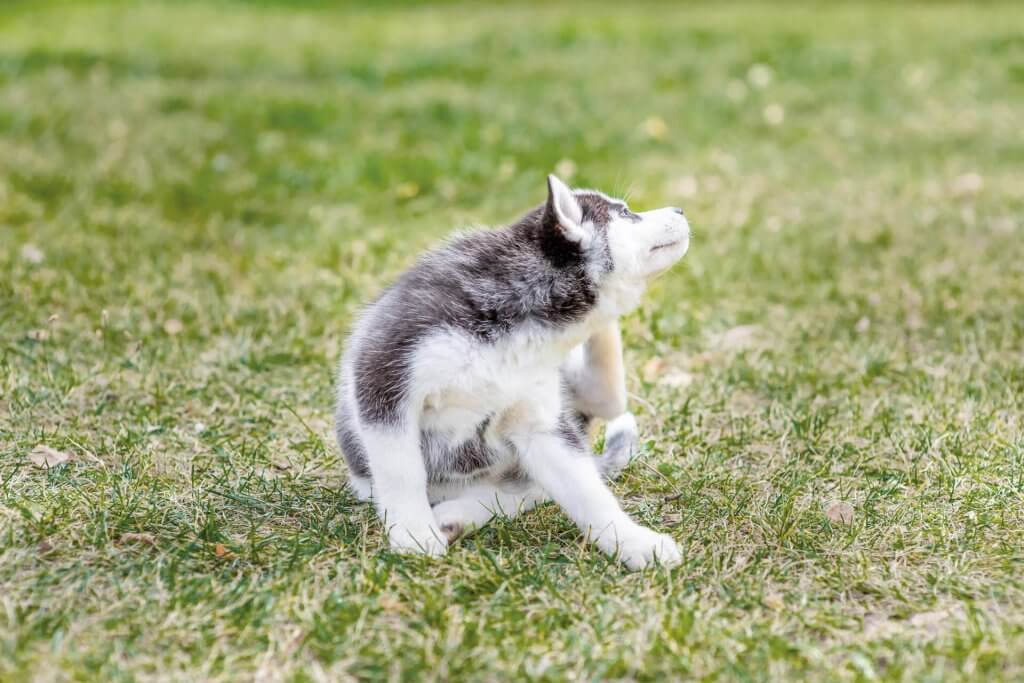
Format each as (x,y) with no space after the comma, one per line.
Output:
(196,198)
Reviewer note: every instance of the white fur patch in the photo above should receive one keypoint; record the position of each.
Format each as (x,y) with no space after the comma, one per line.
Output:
(649,247)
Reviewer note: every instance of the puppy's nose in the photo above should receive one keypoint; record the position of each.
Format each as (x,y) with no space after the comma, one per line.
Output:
(676,209)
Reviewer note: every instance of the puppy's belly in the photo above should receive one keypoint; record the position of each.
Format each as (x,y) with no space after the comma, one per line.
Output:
(461,438)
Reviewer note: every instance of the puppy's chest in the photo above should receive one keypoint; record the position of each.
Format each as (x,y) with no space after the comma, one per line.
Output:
(491,385)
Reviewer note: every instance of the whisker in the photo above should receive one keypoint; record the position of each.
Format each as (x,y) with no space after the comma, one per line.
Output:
(628,192)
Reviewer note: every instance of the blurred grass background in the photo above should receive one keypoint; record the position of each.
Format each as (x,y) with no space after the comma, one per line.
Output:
(196,197)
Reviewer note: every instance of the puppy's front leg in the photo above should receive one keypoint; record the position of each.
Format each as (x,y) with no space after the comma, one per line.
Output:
(559,464)
(400,489)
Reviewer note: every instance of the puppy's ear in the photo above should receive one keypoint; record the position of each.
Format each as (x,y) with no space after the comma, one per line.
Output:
(564,212)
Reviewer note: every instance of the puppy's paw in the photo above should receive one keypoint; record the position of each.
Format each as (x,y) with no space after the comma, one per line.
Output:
(642,547)
(621,445)
(423,540)
(452,519)
(452,530)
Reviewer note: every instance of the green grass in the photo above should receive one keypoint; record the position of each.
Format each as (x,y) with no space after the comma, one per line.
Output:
(195,199)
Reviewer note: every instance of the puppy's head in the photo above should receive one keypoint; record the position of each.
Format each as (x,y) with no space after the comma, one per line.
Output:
(611,238)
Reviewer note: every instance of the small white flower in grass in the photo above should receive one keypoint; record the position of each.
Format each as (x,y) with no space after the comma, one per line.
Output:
(199,427)
(863,325)
(774,114)
(45,457)
(565,169)
(173,326)
(655,127)
(32,254)
(760,75)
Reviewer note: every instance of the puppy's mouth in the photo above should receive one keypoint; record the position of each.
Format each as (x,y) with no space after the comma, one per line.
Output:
(664,245)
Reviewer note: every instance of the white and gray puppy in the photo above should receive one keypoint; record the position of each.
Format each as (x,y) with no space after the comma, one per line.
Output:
(468,387)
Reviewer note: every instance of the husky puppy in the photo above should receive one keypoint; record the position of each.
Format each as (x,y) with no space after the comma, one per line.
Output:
(467,389)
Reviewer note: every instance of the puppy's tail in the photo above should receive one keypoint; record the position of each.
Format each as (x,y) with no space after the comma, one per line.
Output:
(621,445)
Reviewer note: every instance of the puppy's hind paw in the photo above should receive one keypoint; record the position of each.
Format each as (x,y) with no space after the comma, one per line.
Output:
(620,445)
(451,531)
(453,519)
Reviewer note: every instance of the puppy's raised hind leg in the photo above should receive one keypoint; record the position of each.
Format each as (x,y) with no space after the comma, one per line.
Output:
(596,374)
